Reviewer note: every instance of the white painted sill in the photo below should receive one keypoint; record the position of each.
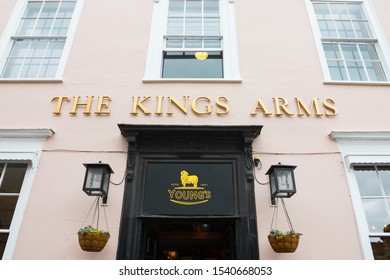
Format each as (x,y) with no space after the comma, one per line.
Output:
(169,80)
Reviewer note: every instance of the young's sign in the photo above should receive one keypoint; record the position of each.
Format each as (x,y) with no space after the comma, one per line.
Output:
(189,193)
(189,188)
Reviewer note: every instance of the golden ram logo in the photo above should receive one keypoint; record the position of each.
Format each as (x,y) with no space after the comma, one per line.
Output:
(190,192)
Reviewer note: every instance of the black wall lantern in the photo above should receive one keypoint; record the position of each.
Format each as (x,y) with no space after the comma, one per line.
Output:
(282,181)
(97,180)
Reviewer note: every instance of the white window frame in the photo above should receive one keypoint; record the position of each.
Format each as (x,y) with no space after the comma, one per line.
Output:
(381,45)
(21,145)
(154,60)
(362,148)
(6,41)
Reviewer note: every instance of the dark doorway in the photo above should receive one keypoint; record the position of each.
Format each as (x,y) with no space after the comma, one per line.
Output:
(189,193)
(188,241)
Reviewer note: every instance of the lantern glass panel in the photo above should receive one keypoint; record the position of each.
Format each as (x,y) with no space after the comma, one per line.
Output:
(273,184)
(106,182)
(94,180)
(285,180)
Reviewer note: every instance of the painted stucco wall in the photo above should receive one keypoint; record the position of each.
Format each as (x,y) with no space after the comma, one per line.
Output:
(278,59)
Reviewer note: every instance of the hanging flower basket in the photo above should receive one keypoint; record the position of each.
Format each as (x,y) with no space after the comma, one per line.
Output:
(283,242)
(93,239)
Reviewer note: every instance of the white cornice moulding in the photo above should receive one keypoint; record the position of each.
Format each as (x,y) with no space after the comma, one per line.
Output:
(26,133)
(360,136)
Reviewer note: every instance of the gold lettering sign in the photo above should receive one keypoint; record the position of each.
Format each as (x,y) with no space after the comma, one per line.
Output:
(199,106)
(190,192)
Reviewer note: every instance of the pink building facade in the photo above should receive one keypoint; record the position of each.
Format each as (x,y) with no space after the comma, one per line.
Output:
(221,89)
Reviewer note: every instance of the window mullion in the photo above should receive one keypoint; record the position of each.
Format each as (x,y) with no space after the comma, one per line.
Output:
(385,197)
(351,21)
(3,174)
(42,59)
(184,33)
(24,59)
(9,194)
(55,17)
(37,18)
(343,59)
(369,79)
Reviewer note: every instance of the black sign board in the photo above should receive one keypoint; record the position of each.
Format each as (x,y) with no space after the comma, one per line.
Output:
(189,188)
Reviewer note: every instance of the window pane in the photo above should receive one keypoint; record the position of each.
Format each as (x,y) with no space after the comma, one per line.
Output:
(356,71)
(26,27)
(362,30)
(30,68)
(328,29)
(185,65)
(211,7)
(193,42)
(20,48)
(13,177)
(175,26)
(49,9)
(176,8)
(43,27)
(381,247)
(332,51)
(12,68)
(55,48)
(384,174)
(193,26)
(212,43)
(377,214)
(174,43)
(32,10)
(339,11)
(37,48)
(3,242)
(368,52)
(211,26)
(48,68)
(371,60)
(66,9)
(345,29)
(60,27)
(356,11)
(350,51)
(322,11)
(368,181)
(7,209)
(337,70)
(194,8)
(375,71)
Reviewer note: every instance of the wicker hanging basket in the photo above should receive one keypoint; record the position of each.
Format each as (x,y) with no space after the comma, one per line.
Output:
(283,242)
(91,238)
(93,242)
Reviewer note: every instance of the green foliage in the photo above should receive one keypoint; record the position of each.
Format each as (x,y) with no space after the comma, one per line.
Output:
(90,229)
(276,232)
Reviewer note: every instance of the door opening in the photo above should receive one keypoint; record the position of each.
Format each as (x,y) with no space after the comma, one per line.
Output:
(189,193)
(188,241)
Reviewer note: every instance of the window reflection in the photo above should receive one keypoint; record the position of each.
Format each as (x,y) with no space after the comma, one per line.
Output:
(381,245)
(185,65)
(374,186)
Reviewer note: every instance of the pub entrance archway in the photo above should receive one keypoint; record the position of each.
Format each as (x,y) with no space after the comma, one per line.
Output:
(189,193)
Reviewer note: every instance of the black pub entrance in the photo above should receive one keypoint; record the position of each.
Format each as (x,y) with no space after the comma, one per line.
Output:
(189,193)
